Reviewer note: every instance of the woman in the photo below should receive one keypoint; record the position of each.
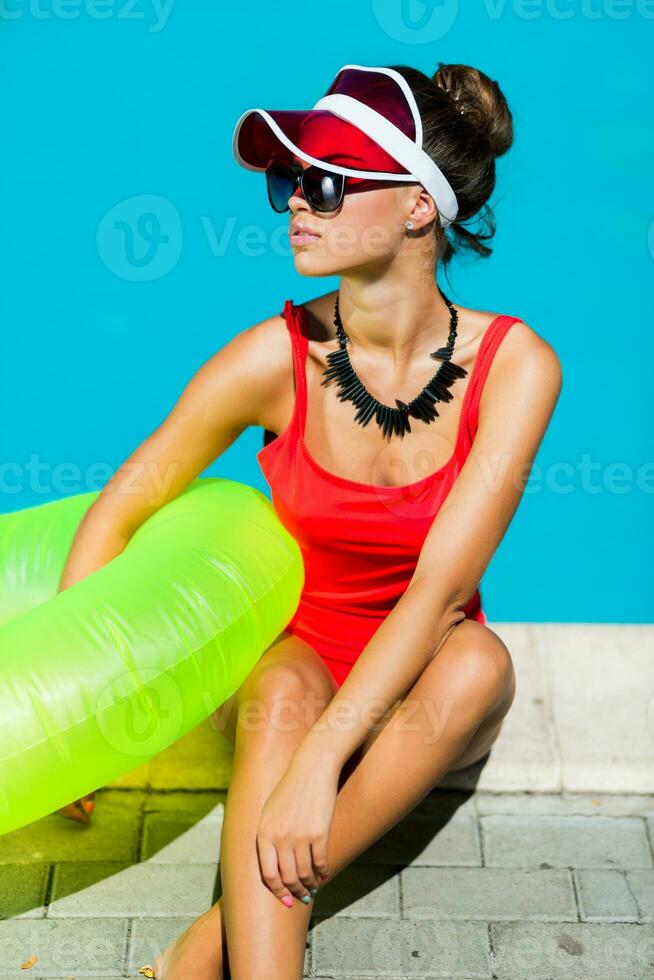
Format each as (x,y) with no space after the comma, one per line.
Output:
(387,677)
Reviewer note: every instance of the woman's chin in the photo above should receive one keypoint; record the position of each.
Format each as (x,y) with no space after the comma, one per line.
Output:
(307,264)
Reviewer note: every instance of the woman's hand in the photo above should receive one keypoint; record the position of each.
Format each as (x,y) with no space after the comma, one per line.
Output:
(294,829)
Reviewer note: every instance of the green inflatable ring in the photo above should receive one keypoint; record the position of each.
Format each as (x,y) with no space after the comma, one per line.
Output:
(98,678)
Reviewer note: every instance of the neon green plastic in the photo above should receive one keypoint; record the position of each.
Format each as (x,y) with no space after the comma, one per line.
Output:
(98,678)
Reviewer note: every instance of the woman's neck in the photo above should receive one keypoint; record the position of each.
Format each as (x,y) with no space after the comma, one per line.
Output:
(400,321)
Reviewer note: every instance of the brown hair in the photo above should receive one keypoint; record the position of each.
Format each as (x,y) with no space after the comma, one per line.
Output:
(464,145)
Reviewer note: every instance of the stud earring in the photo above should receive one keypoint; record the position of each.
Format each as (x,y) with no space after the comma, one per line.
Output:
(408,225)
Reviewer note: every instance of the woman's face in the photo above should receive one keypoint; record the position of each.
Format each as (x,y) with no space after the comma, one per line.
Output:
(365,231)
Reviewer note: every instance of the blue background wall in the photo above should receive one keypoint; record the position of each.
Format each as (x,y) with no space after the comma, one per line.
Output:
(115,111)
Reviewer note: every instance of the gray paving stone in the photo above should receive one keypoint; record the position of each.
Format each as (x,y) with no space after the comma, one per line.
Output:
(488,893)
(421,839)
(344,947)
(564,804)
(112,834)
(178,838)
(641,884)
(95,947)
(605,896)
(450,803)
(360,890)
(135,891)
(579,842)
(599,676)
(150,937)
(525,754)
(649,820)
(72,877)
(202,759)
(196,803)
(573,951)
(22,890)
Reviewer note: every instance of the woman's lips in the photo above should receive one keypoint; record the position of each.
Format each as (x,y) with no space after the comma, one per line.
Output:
(302,236)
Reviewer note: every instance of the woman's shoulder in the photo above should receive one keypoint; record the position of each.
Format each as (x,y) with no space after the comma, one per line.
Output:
(521,350)
(265,346)
(473,325)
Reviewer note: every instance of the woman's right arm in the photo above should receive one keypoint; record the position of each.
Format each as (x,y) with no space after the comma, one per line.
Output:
(233,389)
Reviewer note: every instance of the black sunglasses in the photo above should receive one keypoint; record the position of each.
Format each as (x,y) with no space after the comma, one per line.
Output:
(322,189)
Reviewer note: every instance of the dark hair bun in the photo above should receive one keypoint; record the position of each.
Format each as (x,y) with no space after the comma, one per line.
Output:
(466,124)
(482,102)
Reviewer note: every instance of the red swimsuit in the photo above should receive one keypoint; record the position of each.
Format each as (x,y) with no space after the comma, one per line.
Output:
(360,542)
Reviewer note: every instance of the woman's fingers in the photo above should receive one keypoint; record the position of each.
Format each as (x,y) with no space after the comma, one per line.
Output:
(289,871)
(271,871)
(319,859)
(269,867)
(305,870)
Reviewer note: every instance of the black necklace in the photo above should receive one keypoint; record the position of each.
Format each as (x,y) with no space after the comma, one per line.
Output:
(394,420)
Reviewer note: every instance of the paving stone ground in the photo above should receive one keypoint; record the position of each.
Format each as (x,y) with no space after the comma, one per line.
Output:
(474,883)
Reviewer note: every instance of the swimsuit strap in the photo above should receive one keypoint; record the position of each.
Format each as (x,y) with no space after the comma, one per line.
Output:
(493,336)
(295,317)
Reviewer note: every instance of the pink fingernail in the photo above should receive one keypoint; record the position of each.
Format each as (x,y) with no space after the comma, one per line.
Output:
(287,900)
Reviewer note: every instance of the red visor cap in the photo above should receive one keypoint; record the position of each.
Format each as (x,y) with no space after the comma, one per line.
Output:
(367,121)
(315,133)
(321,134)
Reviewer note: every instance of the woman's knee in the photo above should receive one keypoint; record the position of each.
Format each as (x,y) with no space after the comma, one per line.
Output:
(288,671)
(282,697)
(480,663)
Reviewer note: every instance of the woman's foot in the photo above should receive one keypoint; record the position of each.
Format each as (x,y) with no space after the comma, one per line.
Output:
(79,810)
(196,954)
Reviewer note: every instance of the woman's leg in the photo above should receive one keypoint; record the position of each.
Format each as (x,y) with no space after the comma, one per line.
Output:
(267,717)
(448,720)
(279,703)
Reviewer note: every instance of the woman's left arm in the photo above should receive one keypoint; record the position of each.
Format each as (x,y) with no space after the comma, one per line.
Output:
(517,403)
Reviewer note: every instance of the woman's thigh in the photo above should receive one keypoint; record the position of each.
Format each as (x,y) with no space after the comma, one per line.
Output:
(288,655)
(471,649)
(472,661)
